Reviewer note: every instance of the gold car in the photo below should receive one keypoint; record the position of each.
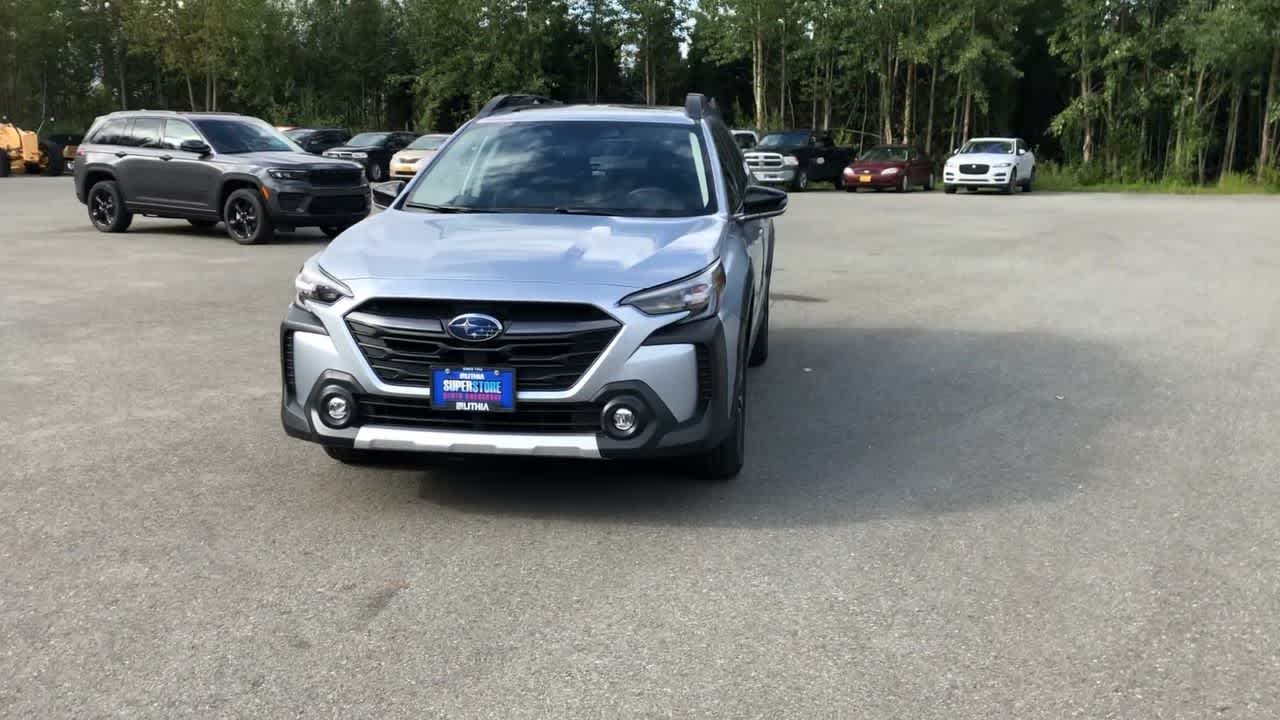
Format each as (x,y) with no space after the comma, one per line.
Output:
(405,163)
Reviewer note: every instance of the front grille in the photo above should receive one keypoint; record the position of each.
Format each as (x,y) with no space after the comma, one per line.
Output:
(338,204)
(338,177)
(550,345)
(974,169)
(764,161)
(534,418)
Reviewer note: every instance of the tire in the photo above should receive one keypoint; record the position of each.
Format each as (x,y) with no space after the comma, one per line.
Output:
(1013,183)
(801,181)
(4,164)
(107,210)
(333,231)
(838,181)
(202,224)
(949,189)
(760,351)
(725,461)
(54,163)
(851,188)
(246,218)
(1027,186)
(904,184)
(351,456)
(928,183)
(376,173)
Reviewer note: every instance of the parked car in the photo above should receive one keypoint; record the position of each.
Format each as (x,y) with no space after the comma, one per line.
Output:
(212,167)
(900,167)
(373,150)
(1000,163)
(746,139)
(794,158)
(535,292)
(317,140)
(405,163)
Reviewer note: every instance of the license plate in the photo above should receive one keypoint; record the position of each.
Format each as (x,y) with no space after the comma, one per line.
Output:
(769,176)
(471,389)
(864,178)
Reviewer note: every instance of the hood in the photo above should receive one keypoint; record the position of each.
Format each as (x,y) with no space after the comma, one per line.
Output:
(286,159)
(982,158)
(634,253)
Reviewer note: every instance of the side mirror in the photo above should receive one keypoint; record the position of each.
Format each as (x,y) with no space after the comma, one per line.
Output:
(763,202)
(385,193)
(1022,151)
(199,147)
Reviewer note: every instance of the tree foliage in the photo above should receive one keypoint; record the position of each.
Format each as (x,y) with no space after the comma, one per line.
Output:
(1124,89)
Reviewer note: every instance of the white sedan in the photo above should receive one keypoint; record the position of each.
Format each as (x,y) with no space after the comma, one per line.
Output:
(1001,163)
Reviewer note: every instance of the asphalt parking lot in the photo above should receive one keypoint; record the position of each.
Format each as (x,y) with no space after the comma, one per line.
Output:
(1011,457)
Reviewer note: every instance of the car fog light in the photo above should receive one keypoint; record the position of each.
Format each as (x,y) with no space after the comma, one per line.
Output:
(624,420)
(337,409)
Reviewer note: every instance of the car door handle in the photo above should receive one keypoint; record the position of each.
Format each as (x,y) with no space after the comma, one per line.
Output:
(121,153)
(166,157)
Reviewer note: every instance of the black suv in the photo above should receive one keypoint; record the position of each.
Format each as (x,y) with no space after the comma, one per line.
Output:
(211,167)
(317,140)
(373,150)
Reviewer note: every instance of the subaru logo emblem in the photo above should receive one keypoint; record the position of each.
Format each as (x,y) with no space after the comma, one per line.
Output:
(474,327)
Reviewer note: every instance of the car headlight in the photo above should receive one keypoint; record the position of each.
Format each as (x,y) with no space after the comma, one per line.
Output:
(409,161)
(890,171)
(790,160)
(1003,164)
(316,285)
(699,294)
(283,174)
(359,155)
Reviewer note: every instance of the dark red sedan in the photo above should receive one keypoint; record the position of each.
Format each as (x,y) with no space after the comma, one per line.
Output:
(900,167)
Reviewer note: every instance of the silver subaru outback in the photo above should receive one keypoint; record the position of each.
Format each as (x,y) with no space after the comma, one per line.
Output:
(582,281)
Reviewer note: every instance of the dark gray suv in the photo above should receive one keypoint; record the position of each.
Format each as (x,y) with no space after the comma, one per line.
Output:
(209,168)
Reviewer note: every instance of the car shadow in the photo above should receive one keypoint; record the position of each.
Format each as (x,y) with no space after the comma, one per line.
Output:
(854,424)
(186,230)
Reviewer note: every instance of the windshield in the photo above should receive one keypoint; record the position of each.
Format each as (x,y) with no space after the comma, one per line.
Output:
(428,142)
(784,139)
(593,168)
(367,140)
(298,135)
(989,147)
(884,153)
(745,141)
(243,135)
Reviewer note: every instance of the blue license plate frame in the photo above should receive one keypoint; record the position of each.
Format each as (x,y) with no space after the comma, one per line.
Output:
(473,389)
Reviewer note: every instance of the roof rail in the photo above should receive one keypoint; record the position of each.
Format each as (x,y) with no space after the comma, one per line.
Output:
(698,106)
(512,103)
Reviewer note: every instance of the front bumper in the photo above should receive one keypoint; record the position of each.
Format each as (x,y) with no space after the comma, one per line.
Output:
(677,374)
(780,176)
(300,204)
(995,177)
(873,179)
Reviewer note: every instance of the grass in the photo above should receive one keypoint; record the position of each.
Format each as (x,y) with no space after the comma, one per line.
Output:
(1067,179)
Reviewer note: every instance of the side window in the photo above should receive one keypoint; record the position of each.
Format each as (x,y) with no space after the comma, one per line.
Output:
(145,132)
(176,131)
(732,166)
(1019,146)
(112,132)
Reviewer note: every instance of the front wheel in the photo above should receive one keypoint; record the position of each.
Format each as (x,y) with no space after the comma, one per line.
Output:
(801,183)
(51,160)
(1027,186)
(107,211)
(1013,183)
(928,183)
(904,184)
(725,461)
(4,164)
(376,173)
(246,218)
(760,351)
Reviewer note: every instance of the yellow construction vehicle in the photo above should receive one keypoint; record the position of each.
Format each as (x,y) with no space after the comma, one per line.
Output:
(21,151)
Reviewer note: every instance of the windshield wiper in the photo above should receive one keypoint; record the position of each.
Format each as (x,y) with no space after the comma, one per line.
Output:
(574,210)
(442,208)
